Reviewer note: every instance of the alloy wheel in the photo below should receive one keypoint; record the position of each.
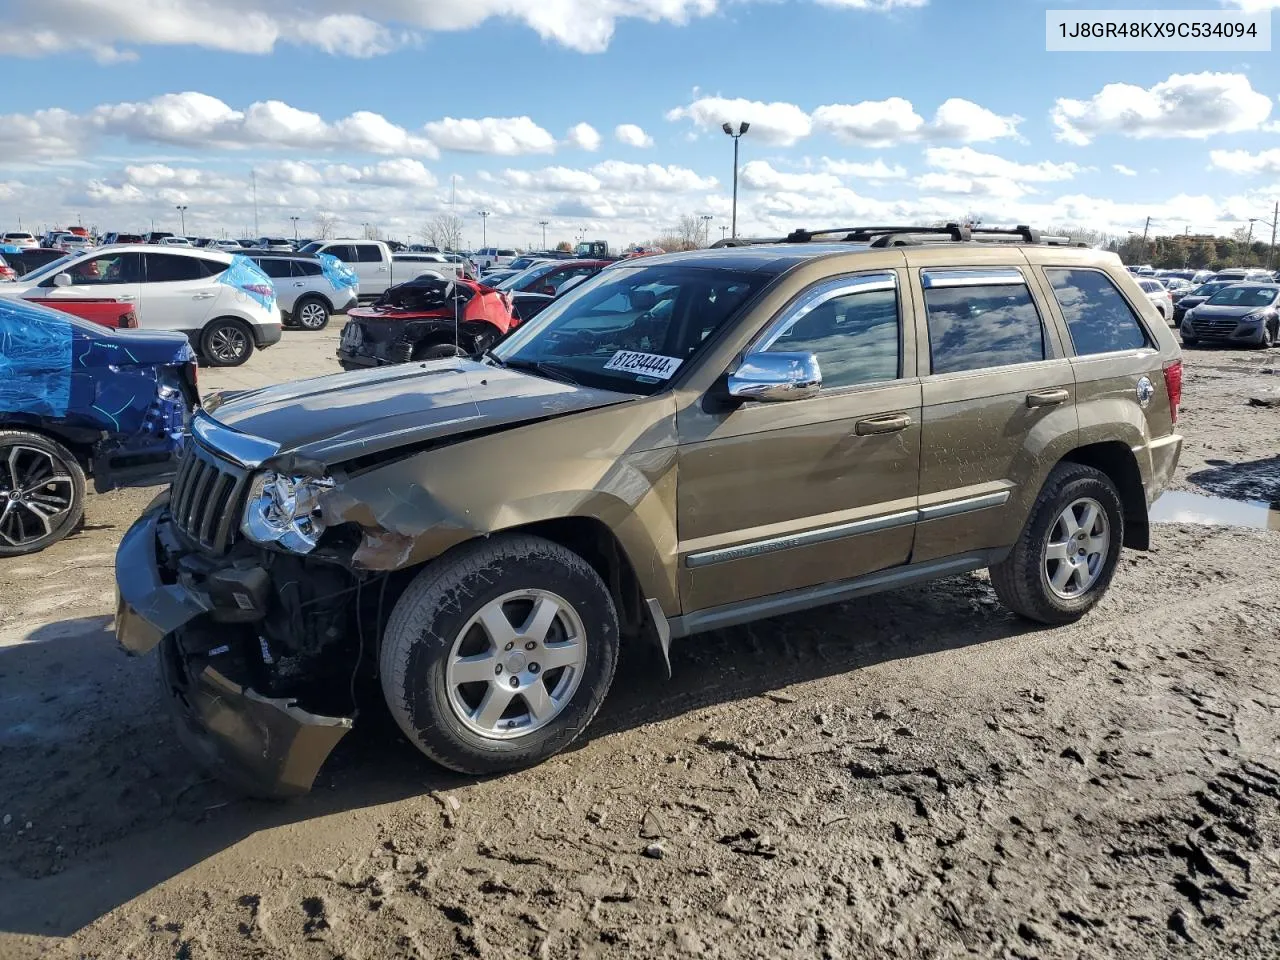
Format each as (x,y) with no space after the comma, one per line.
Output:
(312,315)
(228,344)
(1076,552)
(516,664)
(35,490)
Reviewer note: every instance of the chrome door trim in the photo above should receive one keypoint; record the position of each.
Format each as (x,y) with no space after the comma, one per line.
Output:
(816,296)
(953,508)
(934,278)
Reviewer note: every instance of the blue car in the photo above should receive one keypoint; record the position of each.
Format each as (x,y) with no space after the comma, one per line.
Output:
(78,400)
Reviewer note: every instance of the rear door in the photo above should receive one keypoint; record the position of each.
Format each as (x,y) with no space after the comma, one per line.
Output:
(178,291)
(999,400)
(372,267)
(281,273)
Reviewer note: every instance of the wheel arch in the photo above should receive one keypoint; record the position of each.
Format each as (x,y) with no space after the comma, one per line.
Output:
(312,295)
(78,441)
(1117,461)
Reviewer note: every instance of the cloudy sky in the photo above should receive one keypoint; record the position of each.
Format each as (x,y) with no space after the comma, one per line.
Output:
(603,116)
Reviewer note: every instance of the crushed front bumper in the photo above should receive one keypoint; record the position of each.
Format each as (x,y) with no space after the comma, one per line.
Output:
(267,746)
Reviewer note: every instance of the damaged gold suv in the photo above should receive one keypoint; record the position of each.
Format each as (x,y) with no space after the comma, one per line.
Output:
(684,443)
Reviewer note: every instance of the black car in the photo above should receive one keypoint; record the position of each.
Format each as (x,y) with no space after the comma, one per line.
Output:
(1242,313)
(1198,296)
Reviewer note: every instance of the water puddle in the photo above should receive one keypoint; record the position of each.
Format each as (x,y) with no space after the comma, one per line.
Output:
(1177,506)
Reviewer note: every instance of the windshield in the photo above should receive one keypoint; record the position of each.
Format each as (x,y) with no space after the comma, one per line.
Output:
(630,328)
(1240,295)
(1209,289)
(314,246)
(53,266)
(522,280)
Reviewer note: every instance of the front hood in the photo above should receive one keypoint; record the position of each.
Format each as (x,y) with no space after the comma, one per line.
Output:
(348,415)
(1189,302)
(1211,312)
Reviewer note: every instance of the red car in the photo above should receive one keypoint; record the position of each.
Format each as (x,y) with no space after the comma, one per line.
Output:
(425,319)
(105,313)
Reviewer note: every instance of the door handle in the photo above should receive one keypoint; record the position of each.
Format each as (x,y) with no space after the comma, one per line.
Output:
(877,425)
(203,296)
(126,298)
(1047,398)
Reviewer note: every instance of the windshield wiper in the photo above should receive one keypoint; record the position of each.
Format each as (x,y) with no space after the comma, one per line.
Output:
(497,360)
(543,368)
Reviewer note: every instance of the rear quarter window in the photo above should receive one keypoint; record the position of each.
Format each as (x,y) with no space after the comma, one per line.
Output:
(1098,317)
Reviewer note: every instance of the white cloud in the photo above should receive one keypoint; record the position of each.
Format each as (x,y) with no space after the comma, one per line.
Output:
(111,30)
(632,135)
(875,170)
(761,175)
(877,5)
(553,179)
(1244,162)
(584,137)
(780,123)
(950,183)
(505,136)
(1124,171)
(1191,105)
(966,161)
(620,175)
(885,123)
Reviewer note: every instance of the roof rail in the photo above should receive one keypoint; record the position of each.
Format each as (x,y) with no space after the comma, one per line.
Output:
(899,236)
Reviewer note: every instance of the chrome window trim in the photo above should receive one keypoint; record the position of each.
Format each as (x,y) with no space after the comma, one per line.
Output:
(941,278)
(838,531)
(824,292)
(244,449)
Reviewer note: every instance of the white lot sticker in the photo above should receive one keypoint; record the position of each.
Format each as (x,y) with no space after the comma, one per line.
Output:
(644,364)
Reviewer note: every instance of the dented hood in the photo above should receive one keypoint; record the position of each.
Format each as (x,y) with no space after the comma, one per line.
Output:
(348,415)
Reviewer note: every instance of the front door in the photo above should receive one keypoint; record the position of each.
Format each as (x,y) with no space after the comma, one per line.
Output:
(777,496)
(999,408)
(178,292)
(108,276)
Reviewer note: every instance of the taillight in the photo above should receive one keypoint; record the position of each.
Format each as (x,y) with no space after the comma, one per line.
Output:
(129,321)
(261,289)
(1173,384)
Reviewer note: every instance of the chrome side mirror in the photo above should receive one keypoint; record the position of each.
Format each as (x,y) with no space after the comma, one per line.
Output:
(776,377)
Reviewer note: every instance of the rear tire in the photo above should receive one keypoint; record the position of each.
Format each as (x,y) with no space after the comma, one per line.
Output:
(226,342)
(508,609)
(311,313)
(1063,562)
(43,513)
(439,351)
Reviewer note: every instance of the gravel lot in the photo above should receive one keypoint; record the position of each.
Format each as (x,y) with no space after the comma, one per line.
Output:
(912,775)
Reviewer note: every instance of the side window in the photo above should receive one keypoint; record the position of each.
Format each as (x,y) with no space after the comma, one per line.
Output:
(213,268)
(109,268)
(275,269)
(1098,318)
(851,325)
(169,268)
(342,251)
(980,319)
(306,268)
(368,253)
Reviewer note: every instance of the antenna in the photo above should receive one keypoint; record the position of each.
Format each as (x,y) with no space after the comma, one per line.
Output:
(253,175)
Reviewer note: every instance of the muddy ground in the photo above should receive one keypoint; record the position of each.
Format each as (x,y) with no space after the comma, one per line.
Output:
(912,775)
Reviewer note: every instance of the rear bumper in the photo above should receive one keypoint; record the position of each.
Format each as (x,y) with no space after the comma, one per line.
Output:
(1164,453)
(267,746)
(349,358)
(265,334)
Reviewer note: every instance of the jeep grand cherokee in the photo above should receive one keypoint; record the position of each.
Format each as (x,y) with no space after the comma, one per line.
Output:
(688,442)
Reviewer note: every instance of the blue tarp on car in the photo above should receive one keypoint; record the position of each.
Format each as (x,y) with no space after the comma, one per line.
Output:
(35,360)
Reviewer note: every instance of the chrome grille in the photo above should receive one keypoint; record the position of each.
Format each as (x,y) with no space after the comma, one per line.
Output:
(205,499)
(1215,328)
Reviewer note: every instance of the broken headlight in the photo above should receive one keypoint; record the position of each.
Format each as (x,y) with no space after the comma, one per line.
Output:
(285,510)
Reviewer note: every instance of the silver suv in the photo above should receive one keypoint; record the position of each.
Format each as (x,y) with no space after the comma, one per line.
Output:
(308,293)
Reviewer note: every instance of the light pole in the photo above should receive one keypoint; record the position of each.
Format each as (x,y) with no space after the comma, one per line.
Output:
(706,219)
(723,231)
(182,214)
(295,228)
(1275,218)
(543,225)
(736,131)
(484,228)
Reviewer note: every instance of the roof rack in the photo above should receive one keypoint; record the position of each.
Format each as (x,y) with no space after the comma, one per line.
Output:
(902,236)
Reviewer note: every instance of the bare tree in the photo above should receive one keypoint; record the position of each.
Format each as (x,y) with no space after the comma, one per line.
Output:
(564,246)
(444,231)
(326,224)
(689,230)
(371,232)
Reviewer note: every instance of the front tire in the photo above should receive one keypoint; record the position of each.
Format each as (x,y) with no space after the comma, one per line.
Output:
(226,342)
(499,654)
(439,351)
(1065,558)
(41,492)
(311,313)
